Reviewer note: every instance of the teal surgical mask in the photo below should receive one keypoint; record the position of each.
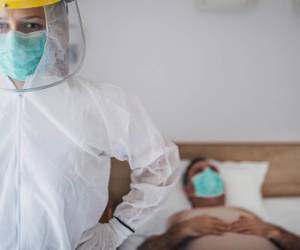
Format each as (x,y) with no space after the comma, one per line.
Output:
(21,53)
(208,184)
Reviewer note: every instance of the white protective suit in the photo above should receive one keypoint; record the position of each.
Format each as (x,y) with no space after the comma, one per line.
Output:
(55,150)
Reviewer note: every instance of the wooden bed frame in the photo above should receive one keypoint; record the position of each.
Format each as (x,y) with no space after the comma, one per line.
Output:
(283,178)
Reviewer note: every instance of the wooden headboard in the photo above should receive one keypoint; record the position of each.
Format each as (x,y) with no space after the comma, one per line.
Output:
(283,178)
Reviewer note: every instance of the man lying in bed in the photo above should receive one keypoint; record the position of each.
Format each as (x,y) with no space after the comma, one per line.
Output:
(211,226)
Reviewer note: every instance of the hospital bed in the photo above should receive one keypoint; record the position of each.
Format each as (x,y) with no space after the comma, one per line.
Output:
(280,189)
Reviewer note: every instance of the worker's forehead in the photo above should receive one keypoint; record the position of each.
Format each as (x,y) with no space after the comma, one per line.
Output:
(22,13)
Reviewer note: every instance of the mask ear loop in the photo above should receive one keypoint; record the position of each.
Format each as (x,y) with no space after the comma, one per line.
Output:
(66,2)
(66,6)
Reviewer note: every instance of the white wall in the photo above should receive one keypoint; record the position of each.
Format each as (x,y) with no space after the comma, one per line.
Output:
(202,76)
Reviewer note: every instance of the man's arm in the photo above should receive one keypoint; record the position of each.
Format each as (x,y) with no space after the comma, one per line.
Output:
(277,235)
(285,239)
(181,234)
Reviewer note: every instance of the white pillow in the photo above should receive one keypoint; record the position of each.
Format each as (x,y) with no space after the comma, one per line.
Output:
(243,184)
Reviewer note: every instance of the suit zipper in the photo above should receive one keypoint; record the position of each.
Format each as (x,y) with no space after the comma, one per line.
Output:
(19,168)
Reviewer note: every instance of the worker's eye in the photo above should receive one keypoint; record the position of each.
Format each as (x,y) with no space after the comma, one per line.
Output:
(4,27)
(29,27)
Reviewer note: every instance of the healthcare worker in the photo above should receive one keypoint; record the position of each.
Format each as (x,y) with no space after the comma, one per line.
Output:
(58,133)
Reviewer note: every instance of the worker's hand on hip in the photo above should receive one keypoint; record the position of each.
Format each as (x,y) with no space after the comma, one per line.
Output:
(99,237)
(106,236)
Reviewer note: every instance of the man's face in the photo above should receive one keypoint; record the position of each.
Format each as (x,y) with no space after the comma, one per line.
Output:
(190,190)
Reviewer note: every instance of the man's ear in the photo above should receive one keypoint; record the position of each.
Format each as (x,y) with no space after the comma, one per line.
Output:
(188,189)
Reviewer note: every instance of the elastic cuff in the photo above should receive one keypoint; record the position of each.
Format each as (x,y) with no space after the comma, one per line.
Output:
(124,224)
(123,231)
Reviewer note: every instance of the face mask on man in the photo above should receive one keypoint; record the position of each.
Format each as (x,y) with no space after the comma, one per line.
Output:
(21,53)
(208,184)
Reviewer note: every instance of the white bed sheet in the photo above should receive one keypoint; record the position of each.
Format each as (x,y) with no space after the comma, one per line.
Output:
(284,212)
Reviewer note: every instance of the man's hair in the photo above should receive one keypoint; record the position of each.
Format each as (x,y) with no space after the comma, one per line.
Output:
(188,168)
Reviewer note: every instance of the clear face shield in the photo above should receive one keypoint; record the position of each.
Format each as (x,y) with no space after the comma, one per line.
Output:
(41,43)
